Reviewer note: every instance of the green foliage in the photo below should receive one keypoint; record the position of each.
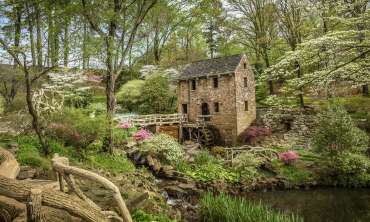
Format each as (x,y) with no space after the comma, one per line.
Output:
(229,209)
(2,108)
(78,98)
(165,147)
(157,97)
(208,168)
(130,95)
(349,170)
(294,174)
(142,216)
(247,165)
(96,109)
(76,128)
(28,153)
(113,163)
(337,133)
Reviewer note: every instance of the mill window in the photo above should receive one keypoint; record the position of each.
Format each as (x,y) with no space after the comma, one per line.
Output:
(245,82)
(185,108)
(215,82)
(193,84)
(216,106)
(245,65)
(246,108)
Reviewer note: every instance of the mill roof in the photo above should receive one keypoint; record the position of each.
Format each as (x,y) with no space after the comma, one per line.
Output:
(215,66)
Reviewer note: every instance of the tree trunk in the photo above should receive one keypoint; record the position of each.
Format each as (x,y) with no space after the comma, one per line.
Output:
(66,43)
(299,75)
(267,63)
(111,77)
(17,25)
(38,35)
(30,20)
(85,55)
(33,112)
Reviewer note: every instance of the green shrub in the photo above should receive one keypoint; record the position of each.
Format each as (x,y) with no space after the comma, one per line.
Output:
(79,98)
(96,109)
(165,147)
(157,96)
(75,128)
(28,153)
(130,95)
(247,164)
(208,168)
(349,170)
(142,216)
(337,133)
(227,209)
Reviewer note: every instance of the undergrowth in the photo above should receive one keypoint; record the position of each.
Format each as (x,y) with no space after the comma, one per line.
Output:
(229,209)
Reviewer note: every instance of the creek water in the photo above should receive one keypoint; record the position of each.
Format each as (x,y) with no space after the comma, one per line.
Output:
(320,204)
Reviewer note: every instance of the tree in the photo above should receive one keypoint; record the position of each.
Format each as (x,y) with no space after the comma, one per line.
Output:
(259,27)
(116,23)
(337,55)
(291,23)
(22,63)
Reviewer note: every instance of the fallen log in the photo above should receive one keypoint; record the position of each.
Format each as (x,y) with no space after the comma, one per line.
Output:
(21,190)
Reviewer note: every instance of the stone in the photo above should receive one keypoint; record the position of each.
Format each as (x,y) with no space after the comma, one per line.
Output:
(27,172)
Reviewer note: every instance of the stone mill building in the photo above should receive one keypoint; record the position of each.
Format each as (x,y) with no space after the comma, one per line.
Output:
(218,97)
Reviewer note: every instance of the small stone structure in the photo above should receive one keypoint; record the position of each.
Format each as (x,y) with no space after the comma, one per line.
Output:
(221,93)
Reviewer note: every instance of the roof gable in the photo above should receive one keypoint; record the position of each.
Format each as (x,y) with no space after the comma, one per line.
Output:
(216,66)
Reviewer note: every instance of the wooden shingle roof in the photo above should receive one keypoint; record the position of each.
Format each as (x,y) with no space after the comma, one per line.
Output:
(216,66)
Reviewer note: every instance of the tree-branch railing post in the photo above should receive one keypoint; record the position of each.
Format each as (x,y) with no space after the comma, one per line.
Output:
(34,205)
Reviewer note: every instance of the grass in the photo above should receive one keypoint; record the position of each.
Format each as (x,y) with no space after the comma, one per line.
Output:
(228,209)
(29,153)
(294,174)
(142,216)
(112,163)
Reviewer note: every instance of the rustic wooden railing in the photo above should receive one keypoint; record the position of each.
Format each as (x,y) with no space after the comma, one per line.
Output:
(262,152)
(155,119)
(39,201)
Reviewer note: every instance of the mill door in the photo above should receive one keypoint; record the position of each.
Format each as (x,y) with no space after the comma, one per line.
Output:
(205,111)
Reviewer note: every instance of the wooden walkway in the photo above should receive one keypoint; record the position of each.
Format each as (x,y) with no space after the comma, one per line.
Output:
(155,119)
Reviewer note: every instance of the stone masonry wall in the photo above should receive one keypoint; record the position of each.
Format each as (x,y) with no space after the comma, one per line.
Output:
(225,119)
(245,118)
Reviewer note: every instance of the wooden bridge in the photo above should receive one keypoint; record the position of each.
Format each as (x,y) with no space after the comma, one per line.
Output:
(155,119)
(196,131)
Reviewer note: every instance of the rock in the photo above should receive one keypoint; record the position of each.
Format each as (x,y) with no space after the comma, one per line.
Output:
(27,172)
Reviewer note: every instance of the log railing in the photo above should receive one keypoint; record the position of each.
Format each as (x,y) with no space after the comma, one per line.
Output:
(155,119)
(39,202)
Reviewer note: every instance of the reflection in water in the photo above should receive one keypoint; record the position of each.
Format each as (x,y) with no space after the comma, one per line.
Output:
(322,204)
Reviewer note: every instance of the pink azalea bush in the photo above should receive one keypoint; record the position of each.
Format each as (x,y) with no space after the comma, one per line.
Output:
(288,157)
(124,125)
(94,78)
(141,135)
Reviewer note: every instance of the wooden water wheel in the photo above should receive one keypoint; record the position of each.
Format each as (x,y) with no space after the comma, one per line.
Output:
(202,136)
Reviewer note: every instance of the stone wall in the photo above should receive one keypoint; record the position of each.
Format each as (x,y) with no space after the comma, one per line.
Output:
(243,94)
(290,127)
(231,94)
(225,119)
(300,122)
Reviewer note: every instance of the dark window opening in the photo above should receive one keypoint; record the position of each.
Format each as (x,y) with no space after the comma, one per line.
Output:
(193,84)
(215,82)
(216,107)
(246,108)
(205,111)
(245,82)
(185,108)
(245,65)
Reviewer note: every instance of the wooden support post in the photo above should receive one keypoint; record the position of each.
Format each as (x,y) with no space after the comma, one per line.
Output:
(34,205)
(181,137)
